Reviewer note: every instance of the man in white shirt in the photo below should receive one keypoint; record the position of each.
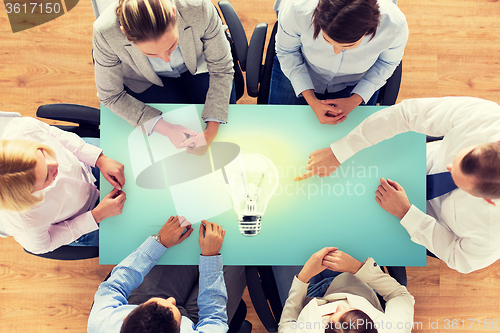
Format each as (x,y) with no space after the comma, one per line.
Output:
(462,227)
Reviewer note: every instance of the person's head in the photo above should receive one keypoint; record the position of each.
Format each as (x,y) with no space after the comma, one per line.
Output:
(476,170)
(344,23)
(346,320)
(151,25)
(156,315)
(25,167)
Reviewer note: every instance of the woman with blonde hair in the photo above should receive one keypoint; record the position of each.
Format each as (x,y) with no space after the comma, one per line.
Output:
(47,192)
(164,51)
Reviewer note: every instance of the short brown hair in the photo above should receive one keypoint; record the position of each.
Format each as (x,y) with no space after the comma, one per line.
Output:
(17,174)
(145,20)
(150,318)
(483,162)
(353,321)
(346,21)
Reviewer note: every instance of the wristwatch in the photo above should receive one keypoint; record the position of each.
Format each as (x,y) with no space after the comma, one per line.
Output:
(156,238)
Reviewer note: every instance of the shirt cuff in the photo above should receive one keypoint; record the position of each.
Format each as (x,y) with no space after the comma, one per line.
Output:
(369,267)
(300,83)
(153,248)
(365,89)
(342,150)
(412,219)
(86,223)
(89,154)
(150,124)
(215,119)
(211,264)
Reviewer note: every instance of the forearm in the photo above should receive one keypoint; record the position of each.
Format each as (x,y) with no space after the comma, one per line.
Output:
(40,240)
(211,130)
(293,305)
(212,296)
(457,252)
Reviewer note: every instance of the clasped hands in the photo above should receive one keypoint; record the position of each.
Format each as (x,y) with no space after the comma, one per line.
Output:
(328,258)
(182,137)
(333,111)
(177,229)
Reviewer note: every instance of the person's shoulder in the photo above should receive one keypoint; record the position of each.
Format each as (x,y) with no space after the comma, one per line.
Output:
(299,7)
(18,127)
(390,14)
(108,21)
(191,5)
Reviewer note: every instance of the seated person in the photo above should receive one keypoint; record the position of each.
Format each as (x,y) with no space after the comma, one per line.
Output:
(345,302)
(140,297)
(47,192)
(164,51)
(461,226)
(335,54)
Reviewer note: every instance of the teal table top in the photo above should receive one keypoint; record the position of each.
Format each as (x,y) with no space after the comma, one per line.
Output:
(301,217)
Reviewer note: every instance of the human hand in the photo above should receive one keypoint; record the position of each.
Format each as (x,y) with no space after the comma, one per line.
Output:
(111,205)
(172,232)
(326,113)
(176,133)
(314,265)
(112,171)
(322,162)
(344,105)
(211,238)
(392,197)
(198,145)
(339,261)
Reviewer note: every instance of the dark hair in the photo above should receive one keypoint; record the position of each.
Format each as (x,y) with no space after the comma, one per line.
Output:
(483,162)
(145,20)
(150,317)
(353,321)
(346,21)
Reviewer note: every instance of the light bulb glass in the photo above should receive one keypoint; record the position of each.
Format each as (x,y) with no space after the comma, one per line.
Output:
(252,180)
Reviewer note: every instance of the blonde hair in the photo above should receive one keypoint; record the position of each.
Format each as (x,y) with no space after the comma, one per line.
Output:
(145,20)
(17,174)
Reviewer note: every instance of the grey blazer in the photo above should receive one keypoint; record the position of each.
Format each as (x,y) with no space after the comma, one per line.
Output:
(119,63)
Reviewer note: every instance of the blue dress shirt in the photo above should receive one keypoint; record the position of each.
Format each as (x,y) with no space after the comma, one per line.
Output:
(111,305)
(312,64)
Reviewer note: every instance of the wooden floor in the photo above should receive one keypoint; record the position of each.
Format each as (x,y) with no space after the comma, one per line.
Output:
(453,49)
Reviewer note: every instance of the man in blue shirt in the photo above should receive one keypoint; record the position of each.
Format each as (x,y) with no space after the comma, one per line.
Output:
(169,299)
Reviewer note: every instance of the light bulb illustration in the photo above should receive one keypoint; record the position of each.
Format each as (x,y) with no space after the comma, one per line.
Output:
(252,180)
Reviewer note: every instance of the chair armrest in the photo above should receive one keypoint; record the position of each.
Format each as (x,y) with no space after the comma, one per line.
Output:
(429,138)
(67,252)
(236,30)
(391,87)
(265,79)
(254,59)
(83,115)
(259,298)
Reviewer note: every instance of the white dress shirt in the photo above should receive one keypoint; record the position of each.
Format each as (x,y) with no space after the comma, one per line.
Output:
(460,229)
(64,214)
(311,63)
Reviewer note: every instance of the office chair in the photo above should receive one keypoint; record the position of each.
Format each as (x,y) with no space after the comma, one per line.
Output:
(258,75)
(266,300)
(88,120)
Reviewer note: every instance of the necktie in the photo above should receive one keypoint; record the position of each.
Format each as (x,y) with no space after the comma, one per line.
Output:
(439,184)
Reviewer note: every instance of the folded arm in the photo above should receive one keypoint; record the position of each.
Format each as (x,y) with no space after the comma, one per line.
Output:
(399,302)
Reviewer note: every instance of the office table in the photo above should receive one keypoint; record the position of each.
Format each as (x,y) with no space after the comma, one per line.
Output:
(301,218)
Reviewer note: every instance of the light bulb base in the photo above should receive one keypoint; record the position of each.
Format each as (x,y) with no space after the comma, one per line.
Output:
(249,224)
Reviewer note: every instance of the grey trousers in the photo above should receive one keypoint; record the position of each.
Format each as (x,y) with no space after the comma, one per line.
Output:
(181,283)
